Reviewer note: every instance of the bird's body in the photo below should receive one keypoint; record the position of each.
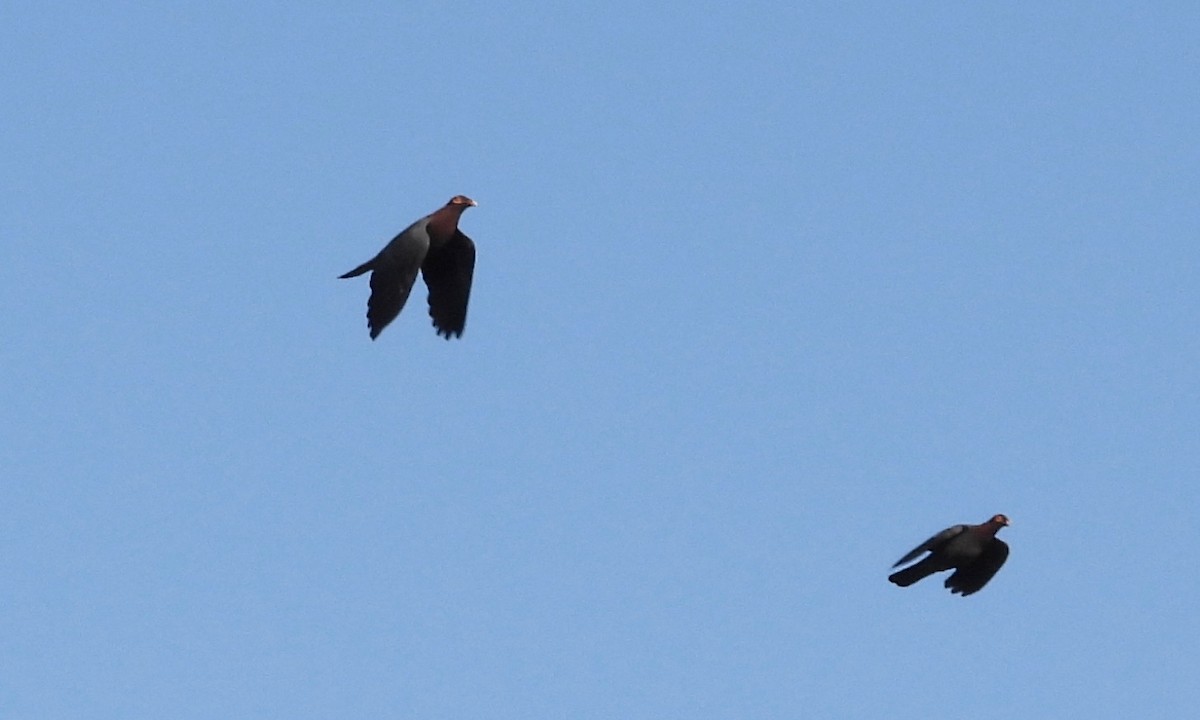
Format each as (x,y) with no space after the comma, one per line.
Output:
(972,551)
(445,257)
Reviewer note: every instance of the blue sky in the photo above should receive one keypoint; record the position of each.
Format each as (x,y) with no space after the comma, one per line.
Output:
(766,294)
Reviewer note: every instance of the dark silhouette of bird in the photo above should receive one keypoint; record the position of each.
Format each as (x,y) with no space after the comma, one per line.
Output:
(972,551)
(444,255)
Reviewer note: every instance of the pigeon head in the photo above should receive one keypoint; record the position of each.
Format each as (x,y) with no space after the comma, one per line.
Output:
(999,520)
(462,201)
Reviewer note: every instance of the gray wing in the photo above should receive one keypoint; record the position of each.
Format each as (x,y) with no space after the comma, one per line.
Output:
(393,272)
(972,577)
(932,543)
(448,271)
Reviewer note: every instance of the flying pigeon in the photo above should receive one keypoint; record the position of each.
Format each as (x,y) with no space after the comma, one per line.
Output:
(444,255)
(973,551)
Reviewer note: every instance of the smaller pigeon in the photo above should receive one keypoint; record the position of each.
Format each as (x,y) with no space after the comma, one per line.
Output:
(445,257)
(973,551)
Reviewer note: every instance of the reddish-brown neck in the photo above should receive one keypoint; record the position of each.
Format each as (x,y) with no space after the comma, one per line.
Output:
(990,528)
(444,222)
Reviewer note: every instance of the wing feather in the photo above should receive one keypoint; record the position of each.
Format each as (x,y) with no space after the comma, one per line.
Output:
(448,271)
(972,577)
(932,543)
(393,272)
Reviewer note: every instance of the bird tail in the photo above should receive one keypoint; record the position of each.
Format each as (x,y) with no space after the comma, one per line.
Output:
(910,575)
(368,265)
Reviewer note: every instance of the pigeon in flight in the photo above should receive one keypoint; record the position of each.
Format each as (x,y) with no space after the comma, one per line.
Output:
(445,257)
(972,551)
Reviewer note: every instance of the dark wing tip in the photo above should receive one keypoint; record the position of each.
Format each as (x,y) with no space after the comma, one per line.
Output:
(448,333)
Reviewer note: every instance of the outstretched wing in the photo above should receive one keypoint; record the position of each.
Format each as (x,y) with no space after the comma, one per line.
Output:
(972,577)
(393,272)
(448,271)
(932,543)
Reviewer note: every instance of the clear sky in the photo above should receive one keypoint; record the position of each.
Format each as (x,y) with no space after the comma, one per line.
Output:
(767,293)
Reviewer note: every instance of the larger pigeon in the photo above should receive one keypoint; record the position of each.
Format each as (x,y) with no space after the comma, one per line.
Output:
(972,551)
(445,257)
